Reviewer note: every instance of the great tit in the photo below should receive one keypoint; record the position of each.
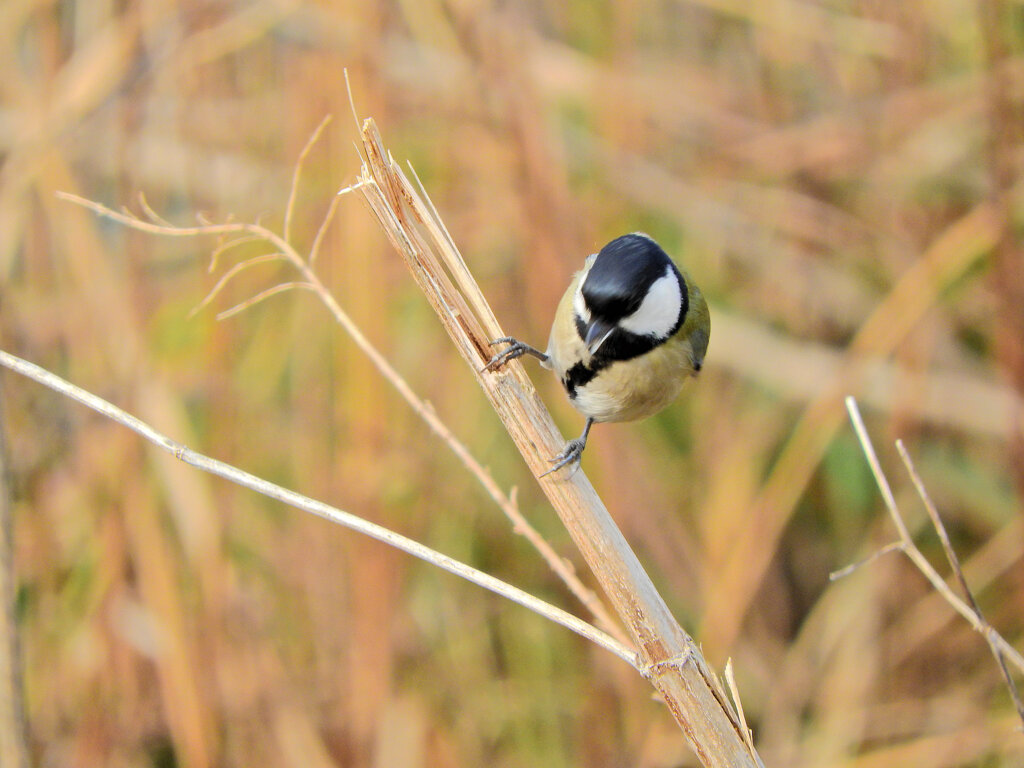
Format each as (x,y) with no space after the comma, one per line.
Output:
(628,332)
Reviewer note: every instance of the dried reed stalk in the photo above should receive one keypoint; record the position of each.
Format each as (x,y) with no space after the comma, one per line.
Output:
(669,657)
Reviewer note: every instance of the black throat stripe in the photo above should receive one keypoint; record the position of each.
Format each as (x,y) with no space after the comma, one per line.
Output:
(619,346)
(578,376)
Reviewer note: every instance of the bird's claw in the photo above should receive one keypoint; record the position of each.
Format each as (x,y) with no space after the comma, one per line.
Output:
(570,455)
(515,349)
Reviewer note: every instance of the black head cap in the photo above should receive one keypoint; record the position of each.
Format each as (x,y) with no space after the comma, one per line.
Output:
(635,299)
(622,273)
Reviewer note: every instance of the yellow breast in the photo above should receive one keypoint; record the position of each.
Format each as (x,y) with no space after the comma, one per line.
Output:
(635,389)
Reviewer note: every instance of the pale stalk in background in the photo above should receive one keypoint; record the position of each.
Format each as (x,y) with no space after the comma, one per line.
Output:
(297,500)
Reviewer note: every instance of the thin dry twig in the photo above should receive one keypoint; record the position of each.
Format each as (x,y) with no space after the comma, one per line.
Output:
(152,215)
(297,500)
(1001,649)
(289,210)
(253,300)
(225,246)
(227,276)
(318,239)
(892,546)
(940,527)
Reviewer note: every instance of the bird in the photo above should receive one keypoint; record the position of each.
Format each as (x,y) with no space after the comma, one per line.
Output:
(628,332)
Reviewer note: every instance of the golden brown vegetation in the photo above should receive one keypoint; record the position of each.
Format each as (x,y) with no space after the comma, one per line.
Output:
(842,180)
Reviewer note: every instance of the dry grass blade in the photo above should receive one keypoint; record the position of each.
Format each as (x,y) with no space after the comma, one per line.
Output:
(691,691)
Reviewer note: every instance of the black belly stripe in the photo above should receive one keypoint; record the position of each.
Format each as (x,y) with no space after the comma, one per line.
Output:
(619,346)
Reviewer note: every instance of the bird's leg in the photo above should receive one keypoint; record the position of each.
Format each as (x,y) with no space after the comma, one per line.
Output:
(572,452)
(515,349)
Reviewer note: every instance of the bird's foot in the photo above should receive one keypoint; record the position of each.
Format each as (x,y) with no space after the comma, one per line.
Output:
(571,454)
(515,349)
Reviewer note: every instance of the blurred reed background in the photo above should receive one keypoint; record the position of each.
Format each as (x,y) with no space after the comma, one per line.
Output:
(842,180)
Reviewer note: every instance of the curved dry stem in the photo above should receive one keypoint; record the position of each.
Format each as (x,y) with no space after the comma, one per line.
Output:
(226,277)
(253,300)
(289,209)
(226,246)
(152,215)
(314,250)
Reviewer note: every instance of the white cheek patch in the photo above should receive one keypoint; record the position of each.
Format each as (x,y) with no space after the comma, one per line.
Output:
(578,303)
(580,306)
(658,314)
